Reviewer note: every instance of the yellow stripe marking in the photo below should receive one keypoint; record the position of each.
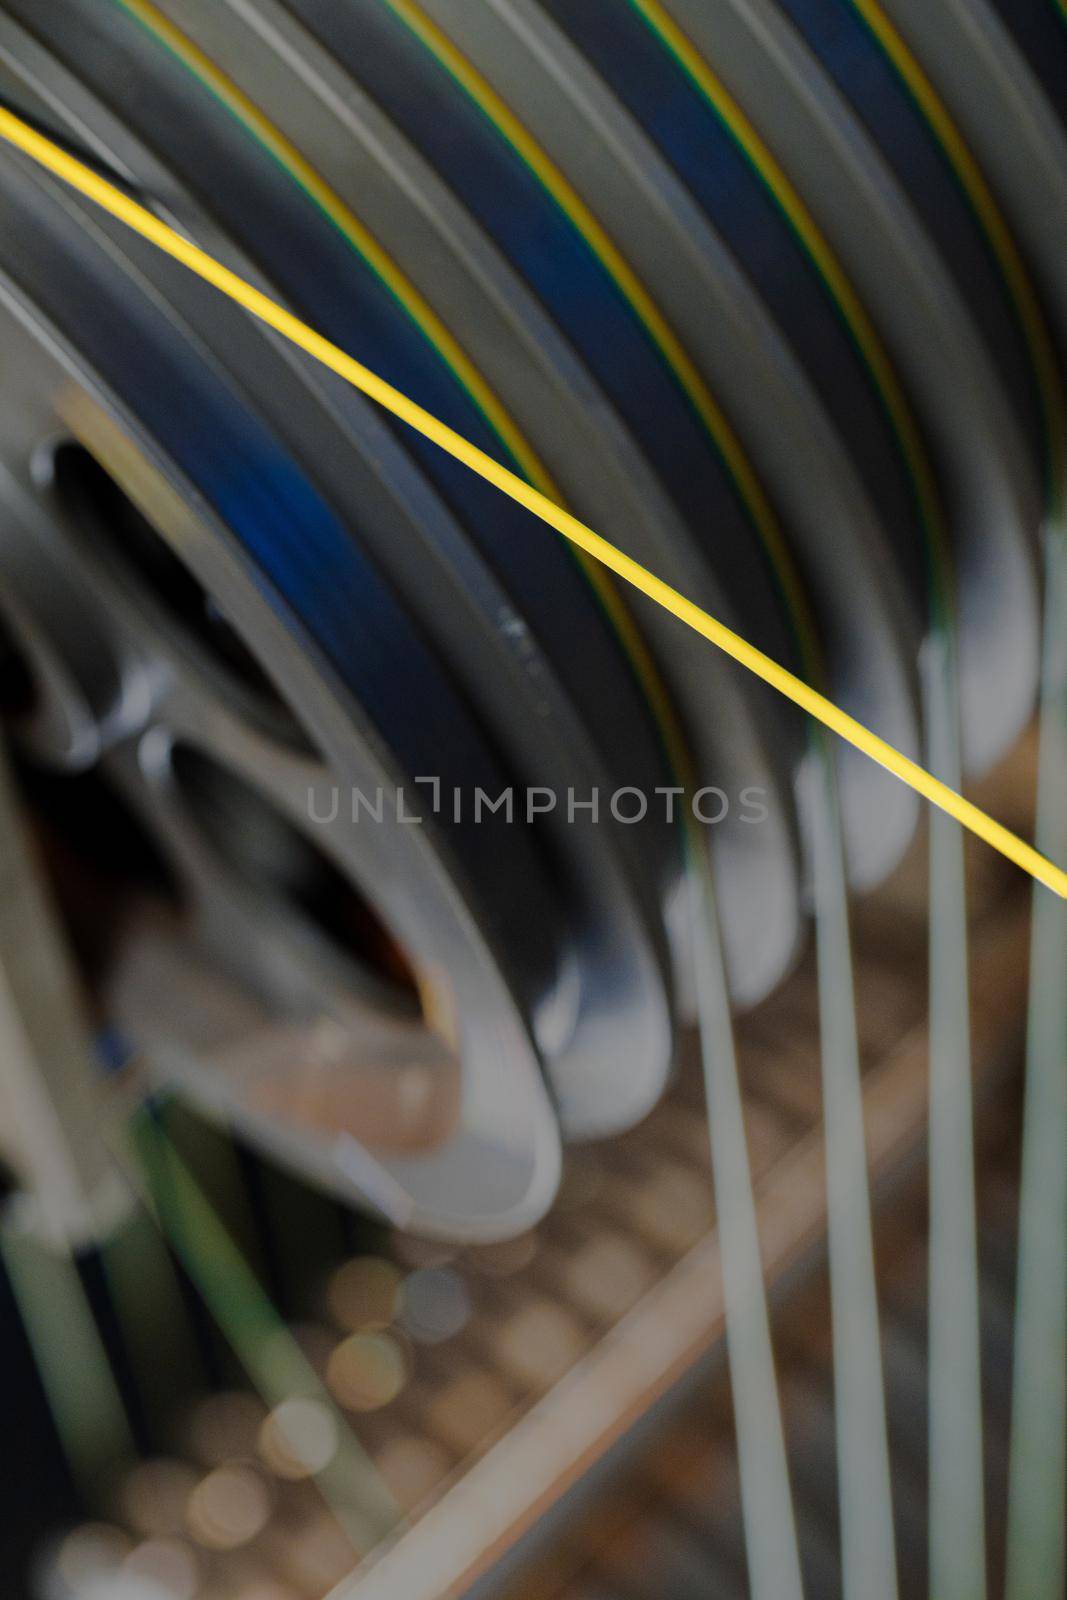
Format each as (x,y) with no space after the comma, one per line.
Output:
(821,253)
(603,246)
(991,219)
(346,222)
(290,158)
(141,221)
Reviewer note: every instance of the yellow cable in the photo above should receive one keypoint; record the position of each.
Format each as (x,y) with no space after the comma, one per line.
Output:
(112,200)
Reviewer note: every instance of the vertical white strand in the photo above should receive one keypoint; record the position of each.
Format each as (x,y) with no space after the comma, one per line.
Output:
(770,1530)
(956,1485)
(1038,1455)
(868,1552)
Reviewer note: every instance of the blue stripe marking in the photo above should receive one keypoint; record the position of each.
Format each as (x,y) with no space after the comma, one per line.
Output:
(720,177)
(553,258)
(853,57)
(307,565)
(316,268)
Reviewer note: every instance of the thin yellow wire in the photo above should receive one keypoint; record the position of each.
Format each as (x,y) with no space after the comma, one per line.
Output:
(16,132)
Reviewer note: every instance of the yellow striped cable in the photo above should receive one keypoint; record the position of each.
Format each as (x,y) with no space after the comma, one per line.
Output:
(347,223)
(688,375)
(992,221)
(448,347)
(822,255)
(19,134)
